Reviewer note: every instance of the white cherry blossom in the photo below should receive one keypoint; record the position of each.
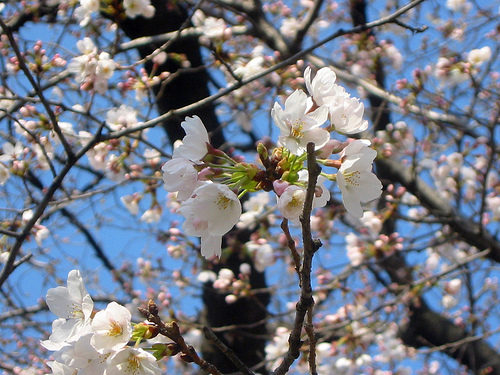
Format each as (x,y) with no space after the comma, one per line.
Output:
(194,144)
(345,112)
(262,253)
(479,56)
(180,175)
(132,361)
(121,118)
(355,179)
(254,207)
(73,305)
(112,328)
(299,125)
(134,8)
(210,213)
(291,202)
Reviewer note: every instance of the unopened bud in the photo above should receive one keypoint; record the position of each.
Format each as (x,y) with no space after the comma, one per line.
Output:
(161,350)
(152,308)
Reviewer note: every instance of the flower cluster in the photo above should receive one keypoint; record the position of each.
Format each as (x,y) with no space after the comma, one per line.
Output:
(132,8)
(91,69)
(207,180)
(86,342)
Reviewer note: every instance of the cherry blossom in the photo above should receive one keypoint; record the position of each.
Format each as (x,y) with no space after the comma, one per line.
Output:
(262,253)
(180,175)
(133,361)
(477,57)
(213,28)
(210,213)
(73,305)
(112,328)
(355,179)
(254,207)
(134,8)
(291,202)
(194,144)
(121,118)
(299,125)
(345,112)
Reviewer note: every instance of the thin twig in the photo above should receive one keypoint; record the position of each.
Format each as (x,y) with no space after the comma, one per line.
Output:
(211,337)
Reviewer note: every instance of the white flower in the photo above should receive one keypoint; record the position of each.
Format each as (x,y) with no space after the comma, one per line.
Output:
(262,254)
(291,202)
(210,213)
(133,361)
(354,251)
(322,86)
(81,354)
(112,328)
(212,27)
(152,215)
(84,12)
(289,27)
(73,305)
(276,349)
(299,126)
(61,369)
(449,301)
(121,118)
(206,276)
(254,207)
(41,234)
(251,68)
(373,223)
(477,57)
(86,46)
(11,152)
(180,175)
(131,203)
(458,5)
(345,113)
(356,181)
(321,194)
(90,69)
(134,8)
(453,286)
(194,144)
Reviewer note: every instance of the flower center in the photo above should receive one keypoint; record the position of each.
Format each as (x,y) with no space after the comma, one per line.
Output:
(76,311)
(222,202)
(296,129)
(352,178)
(115,329)
(133,365)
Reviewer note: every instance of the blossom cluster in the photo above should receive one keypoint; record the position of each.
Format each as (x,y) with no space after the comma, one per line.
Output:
(92,343)
(132,9)
(209,182)
(91,69)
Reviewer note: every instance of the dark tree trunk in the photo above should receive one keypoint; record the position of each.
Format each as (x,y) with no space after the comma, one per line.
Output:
(247,338)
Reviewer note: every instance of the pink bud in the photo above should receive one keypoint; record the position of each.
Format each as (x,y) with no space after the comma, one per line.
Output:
(280,186)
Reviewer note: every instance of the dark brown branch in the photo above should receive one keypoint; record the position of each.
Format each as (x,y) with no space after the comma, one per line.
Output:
(306,302)
(212,337)
(172,331)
